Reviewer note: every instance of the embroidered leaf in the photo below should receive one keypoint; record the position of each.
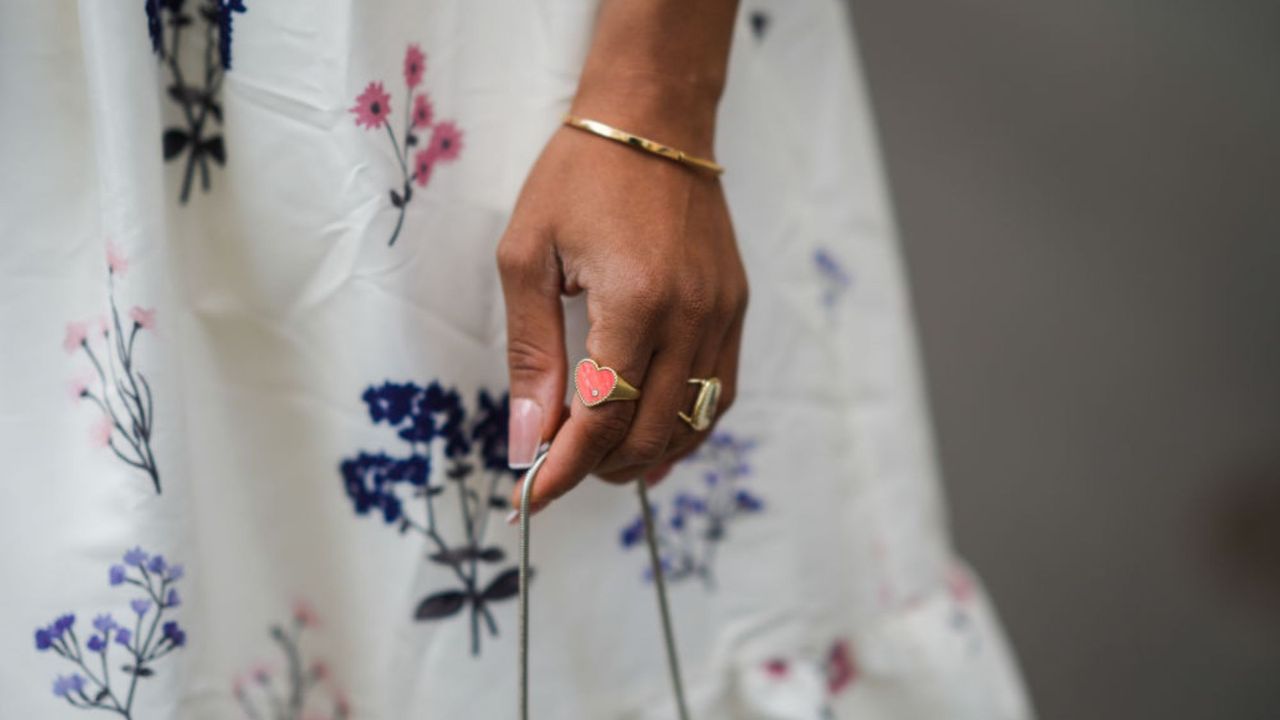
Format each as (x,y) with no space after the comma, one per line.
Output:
(506,585)
(453,556)
(175,141)
(140,672)
(408,192)
(441,605)
(459,471)
(498,503)
(492,554)
(102,695)
(213,146)
(396,200)
(216,109)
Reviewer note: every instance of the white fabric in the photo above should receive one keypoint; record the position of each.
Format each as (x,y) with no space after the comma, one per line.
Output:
(832,591)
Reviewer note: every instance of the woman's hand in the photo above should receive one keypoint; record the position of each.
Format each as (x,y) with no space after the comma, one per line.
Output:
(650,243)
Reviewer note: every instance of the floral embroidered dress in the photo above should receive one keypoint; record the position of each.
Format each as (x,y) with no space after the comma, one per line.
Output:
(254,388)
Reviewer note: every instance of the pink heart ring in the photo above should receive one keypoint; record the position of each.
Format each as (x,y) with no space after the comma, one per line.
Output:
(596,384)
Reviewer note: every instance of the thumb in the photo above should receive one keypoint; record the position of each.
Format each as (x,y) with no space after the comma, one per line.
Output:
(531,283)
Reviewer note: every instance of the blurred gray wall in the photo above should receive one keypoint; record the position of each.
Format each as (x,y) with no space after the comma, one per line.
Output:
(1089,197)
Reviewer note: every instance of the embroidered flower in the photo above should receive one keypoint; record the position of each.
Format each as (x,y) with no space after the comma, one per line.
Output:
(116,575)
(174,634)
(78,388)
(67,685)
(225,10)
(143,318)
(776,668)
(172,600)
(422,167)
(841,669)
(415,64)
(423,111)
(135,557)
(123,636)
(304,614)
(76,334)
(446,142)
(176,572)
(117,263)
(140,606)
(372,106)
(97,643)
(104,623)
(101,432)
(44,639)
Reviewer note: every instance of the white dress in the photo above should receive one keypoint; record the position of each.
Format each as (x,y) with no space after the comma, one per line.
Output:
(253,386)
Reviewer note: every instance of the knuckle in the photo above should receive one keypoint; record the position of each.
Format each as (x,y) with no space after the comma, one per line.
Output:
(642,449)
(527,360)
(518,257)
(607,430)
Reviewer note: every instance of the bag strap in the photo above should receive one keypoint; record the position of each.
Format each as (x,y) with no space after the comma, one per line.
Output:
(659,585)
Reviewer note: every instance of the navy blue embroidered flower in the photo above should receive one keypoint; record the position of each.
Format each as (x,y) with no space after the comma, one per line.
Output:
(469,453)
(154,28)
(697,519)
(225,12)
(93,687)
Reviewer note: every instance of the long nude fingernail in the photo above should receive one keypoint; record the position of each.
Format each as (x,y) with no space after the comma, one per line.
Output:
(524,431)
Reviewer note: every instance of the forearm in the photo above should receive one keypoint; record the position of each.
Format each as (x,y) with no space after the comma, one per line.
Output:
(658,68)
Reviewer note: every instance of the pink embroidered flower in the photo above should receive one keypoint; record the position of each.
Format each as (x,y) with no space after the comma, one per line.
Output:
(101,432)
(260,673)
(841,669)
(776,668)
(76,334)
(960,584)
(78,388)
(143,318)
(372,106)
(116,261)
(304,614)
(446,142)
(100,323)
(422,167)
(423,113)
(415,63)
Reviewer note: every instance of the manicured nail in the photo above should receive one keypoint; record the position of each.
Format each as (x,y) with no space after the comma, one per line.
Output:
(523,433)
(513,517)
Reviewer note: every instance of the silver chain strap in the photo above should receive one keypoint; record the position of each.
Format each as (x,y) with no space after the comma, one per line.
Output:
(659,585)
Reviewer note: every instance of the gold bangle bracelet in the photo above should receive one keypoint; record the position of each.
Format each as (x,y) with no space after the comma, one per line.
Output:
(596,127)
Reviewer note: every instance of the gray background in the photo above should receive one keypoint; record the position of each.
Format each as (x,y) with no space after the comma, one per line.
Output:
(1087,193)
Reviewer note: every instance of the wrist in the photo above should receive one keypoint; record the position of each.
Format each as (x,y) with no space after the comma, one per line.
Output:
(680,112)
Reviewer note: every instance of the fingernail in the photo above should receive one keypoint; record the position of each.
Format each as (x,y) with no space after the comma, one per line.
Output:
(513,517)
(523,433)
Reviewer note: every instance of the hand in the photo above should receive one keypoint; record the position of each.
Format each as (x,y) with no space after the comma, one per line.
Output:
(650,243)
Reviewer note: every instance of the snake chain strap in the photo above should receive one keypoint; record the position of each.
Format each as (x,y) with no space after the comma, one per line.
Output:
(659,584)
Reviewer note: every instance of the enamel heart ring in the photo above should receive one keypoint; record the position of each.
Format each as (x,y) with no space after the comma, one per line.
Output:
(596,384)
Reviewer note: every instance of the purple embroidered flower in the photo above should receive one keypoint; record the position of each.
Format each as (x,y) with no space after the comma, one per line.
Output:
(65,685)
(97,643)
(123,636)
(175,573)
(174,634)
(156,565)
(172,600)
(140,606)
(135,557)
(104,623)
(62,624)
(44,639)
(226,8)
(116,574)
